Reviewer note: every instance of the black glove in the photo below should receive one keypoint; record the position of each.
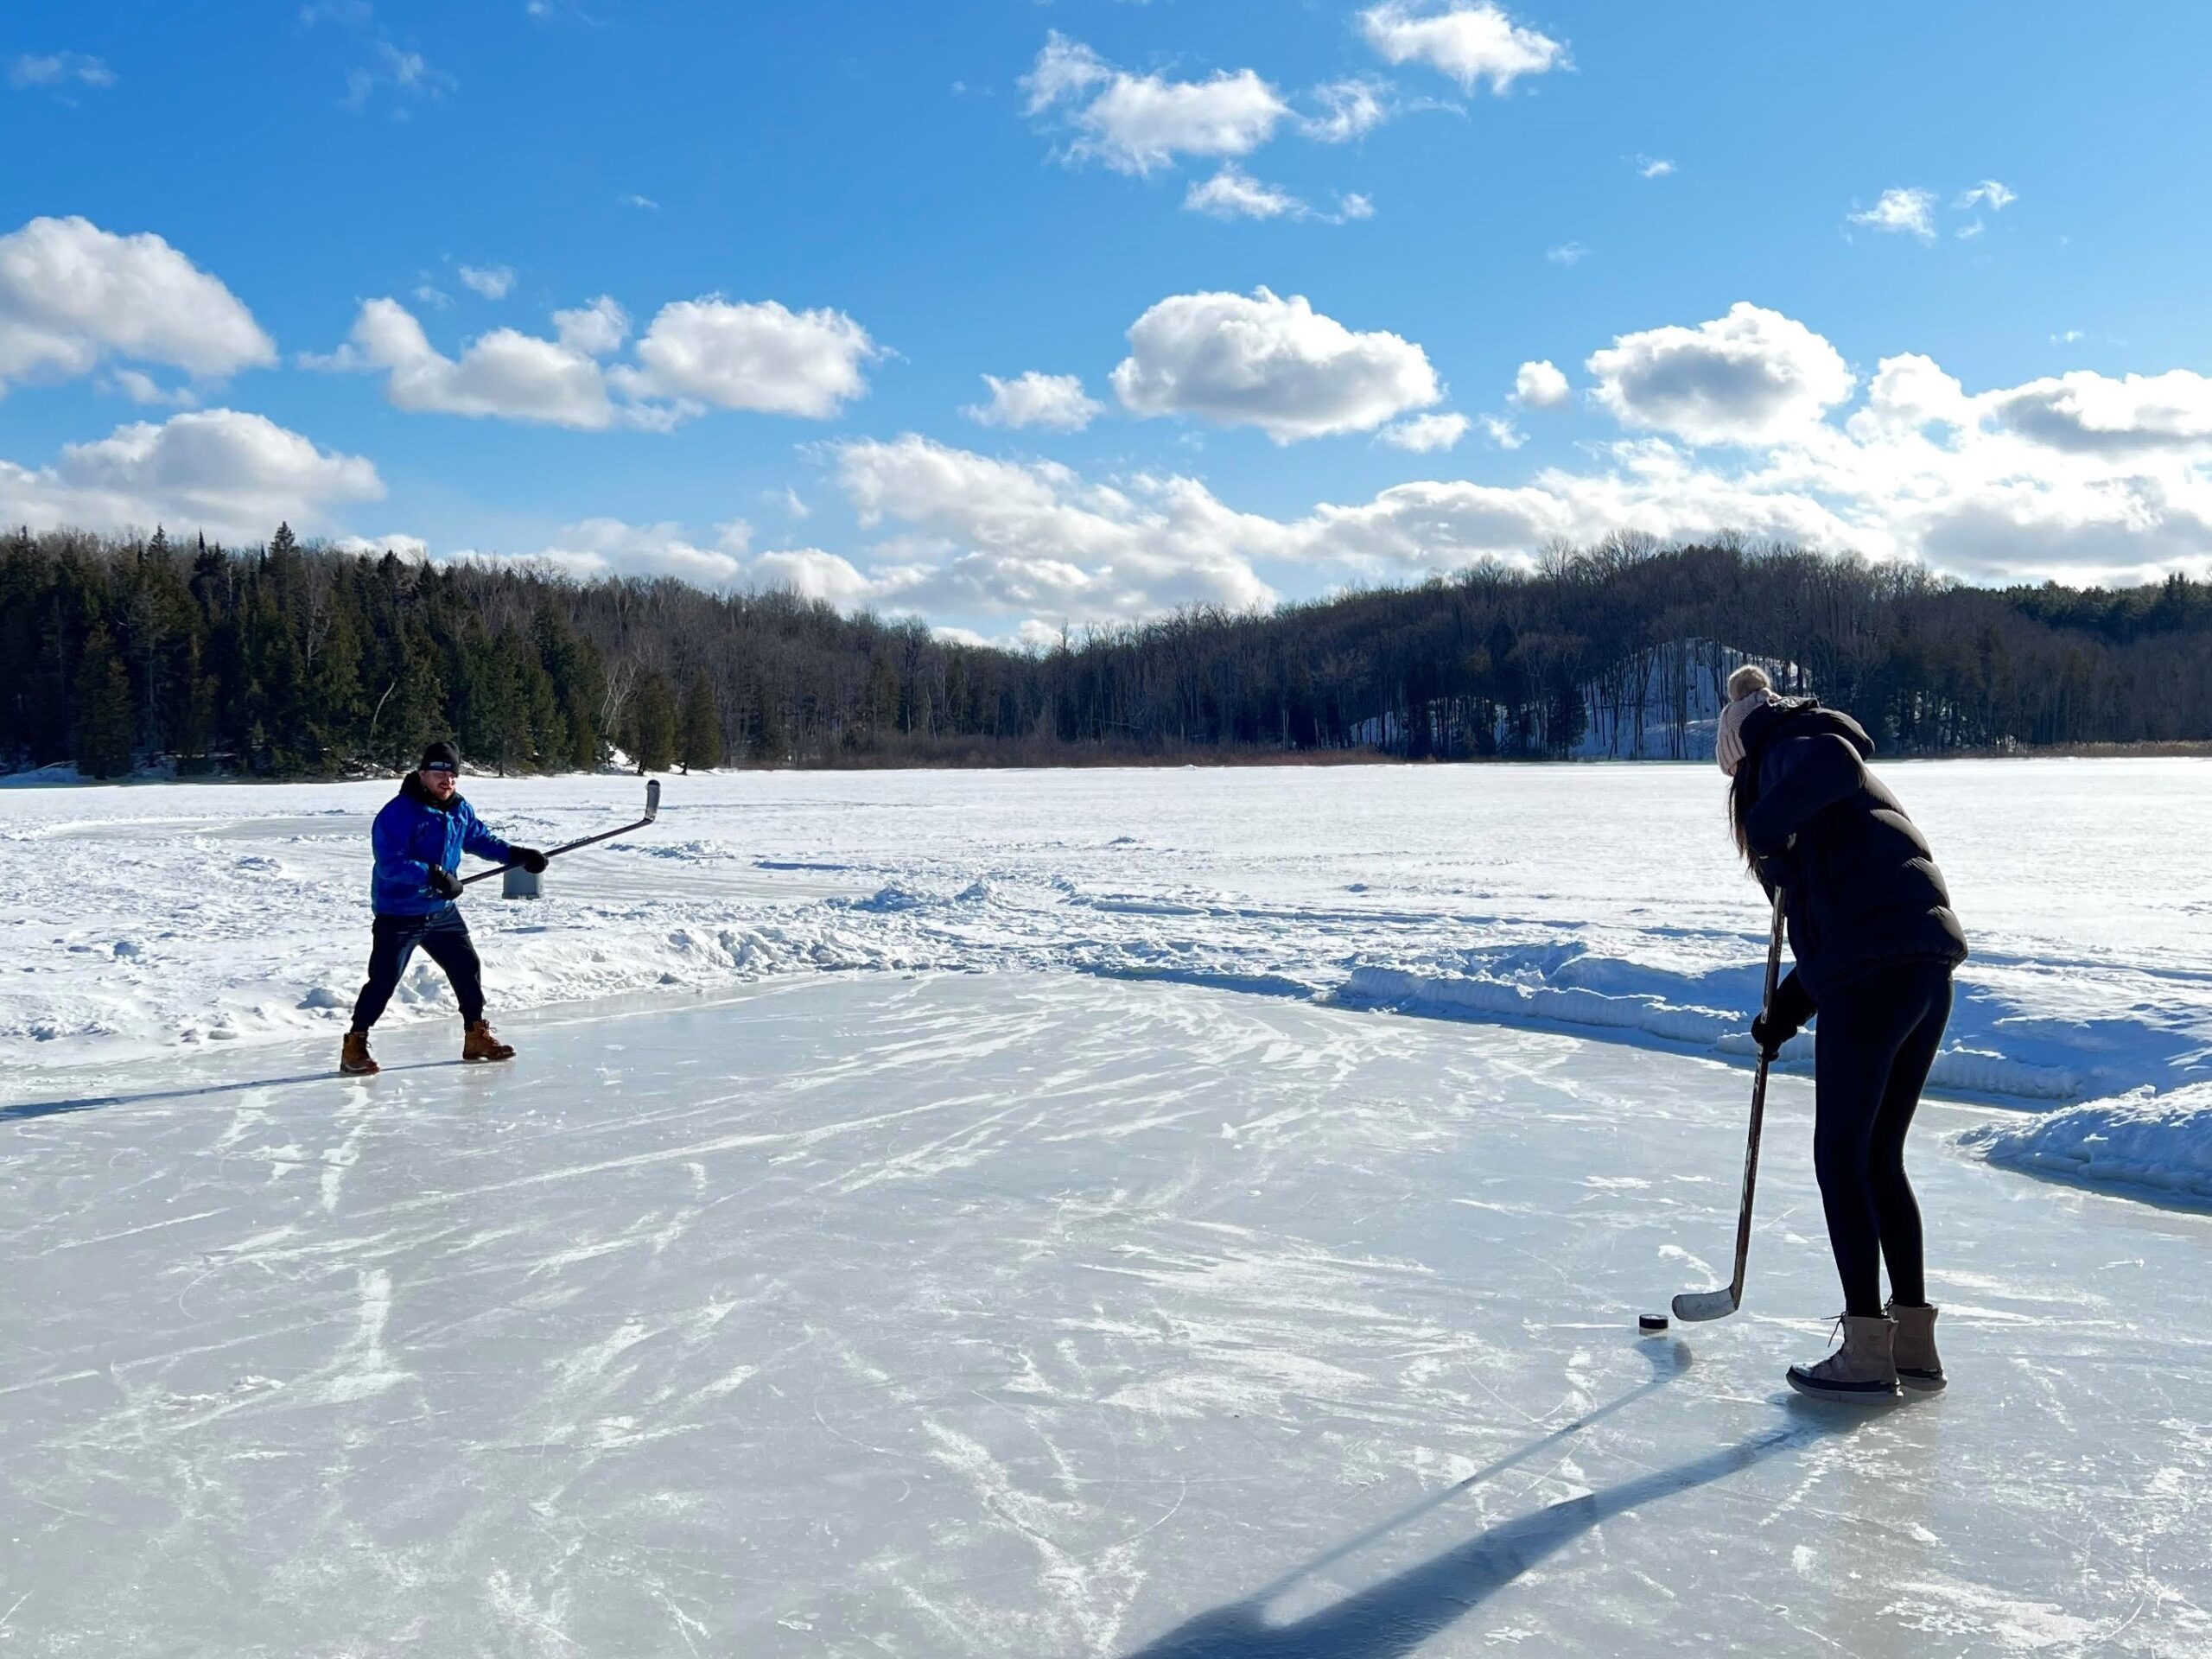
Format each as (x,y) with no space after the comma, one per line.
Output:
(444,882)
(1779,865)
(1771,1034)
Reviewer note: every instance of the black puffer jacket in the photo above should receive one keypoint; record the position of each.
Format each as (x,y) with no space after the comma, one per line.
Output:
(1863,888)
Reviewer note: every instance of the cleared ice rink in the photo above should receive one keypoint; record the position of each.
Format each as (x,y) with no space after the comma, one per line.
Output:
(1035,1314)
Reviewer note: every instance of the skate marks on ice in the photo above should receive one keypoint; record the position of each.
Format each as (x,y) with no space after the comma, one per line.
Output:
(1033,1316)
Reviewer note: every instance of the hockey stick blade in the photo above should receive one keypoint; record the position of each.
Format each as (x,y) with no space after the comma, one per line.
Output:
(1692,1306)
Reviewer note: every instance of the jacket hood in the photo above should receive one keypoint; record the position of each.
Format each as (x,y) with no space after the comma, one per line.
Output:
(1803,717)
(417,791)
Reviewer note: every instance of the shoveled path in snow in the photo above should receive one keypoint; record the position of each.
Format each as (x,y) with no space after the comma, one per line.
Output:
(1033,1316)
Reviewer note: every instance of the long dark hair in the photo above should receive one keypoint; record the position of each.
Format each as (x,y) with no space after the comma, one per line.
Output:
(1743,796)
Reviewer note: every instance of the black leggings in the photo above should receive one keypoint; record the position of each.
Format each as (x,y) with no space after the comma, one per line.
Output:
(1875,1038)
(444,935)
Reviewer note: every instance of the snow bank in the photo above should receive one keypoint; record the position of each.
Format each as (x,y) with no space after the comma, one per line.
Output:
(1569,985)
(1600,900)
(2141,1140)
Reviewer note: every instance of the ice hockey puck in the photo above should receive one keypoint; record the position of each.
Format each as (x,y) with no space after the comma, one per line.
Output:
(1651,1321)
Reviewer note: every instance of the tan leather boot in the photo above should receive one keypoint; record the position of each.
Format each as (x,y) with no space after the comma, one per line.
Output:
(353,1060)
(1919,1368)
(1862,1372)
(479,1044)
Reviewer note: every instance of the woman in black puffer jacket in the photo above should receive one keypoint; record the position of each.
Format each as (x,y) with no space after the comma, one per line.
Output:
(1871,927)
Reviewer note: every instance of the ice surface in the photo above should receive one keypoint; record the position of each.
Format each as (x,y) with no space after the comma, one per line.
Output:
(1031,1315)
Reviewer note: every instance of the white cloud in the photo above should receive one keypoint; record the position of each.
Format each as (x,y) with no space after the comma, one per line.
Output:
(1055,401)
(698,354)
(59,69)
(1748,377)
(812,574)
(1353,205)
(407,75)
(1425,434)
(2089,413)
(504,373)
(758,356)
(492,282)
(1135,123)
(1921,467)
(144,389)
(597,548)
(1539,384)
(1275,364)
(73,295)
(998,537)
(633,199)
(436,298)
(1568,253)
(233,475)
(1234,194)
(1470,43)
(595,329)
(1988,194)
(1653,167)
(1501,431)
(1909,211)
(1350,109)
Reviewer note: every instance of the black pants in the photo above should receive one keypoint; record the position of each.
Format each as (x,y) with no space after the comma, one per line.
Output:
(444,934)
(1875,1038)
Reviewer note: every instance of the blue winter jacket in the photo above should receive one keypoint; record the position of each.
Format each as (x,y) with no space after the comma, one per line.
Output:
(415,831)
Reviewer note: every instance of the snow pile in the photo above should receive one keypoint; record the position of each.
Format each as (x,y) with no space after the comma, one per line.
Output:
(2154,1143)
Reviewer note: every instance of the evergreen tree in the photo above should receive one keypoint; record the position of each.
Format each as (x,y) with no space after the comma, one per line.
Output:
(414,705)
(105,716)
(652,724)
(699,741)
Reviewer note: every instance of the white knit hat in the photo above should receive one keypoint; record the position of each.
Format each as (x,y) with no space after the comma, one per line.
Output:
(1748,688)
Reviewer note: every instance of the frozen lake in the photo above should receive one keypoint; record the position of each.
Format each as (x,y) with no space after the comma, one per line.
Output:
(147,920)
(1029,1314)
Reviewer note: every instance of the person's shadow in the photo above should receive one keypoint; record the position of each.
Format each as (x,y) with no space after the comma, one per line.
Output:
(1393,1618)
(24,1111)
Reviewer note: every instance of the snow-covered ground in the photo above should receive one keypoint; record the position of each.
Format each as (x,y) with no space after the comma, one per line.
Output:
(1600,899)
(1031,1315)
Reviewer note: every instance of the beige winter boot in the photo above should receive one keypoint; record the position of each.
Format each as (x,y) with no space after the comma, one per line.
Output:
(479,1044)
(1918,1367)
(353,1060)
(1863,1371)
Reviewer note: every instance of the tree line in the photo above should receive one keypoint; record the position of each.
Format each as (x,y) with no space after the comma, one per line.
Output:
(296,660)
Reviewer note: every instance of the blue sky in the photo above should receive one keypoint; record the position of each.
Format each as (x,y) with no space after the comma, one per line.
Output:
(1920,281)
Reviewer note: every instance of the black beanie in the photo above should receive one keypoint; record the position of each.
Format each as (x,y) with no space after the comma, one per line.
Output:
(439,757)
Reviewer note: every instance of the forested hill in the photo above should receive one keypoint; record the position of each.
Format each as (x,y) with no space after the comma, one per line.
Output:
(292,660)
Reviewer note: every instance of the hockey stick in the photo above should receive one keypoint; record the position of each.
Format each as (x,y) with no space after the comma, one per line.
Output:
(652,812)
(1695,1305)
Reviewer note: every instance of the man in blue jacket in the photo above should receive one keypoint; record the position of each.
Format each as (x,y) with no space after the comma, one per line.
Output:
(419,838)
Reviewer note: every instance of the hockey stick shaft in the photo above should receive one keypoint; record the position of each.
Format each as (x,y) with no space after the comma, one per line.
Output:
(652,812)
(1758,1109)
(1696,1305)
